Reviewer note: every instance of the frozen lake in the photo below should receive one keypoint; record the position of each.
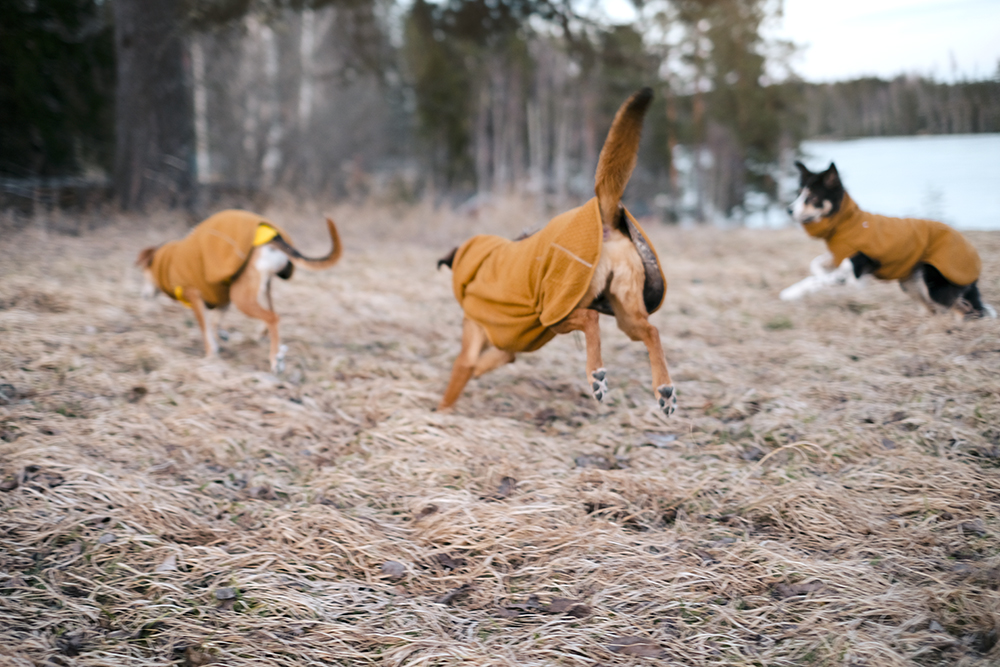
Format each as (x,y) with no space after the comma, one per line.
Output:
(952,178)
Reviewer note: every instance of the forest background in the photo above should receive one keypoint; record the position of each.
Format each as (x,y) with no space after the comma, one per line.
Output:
(202,103)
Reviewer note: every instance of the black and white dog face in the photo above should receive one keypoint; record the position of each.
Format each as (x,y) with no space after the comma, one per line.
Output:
(820,196)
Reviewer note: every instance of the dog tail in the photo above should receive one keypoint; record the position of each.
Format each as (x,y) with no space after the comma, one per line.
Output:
(618,156)
(448,259)
(311,263)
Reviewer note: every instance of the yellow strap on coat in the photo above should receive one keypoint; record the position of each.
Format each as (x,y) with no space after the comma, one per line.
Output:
(264,234)
(179,295)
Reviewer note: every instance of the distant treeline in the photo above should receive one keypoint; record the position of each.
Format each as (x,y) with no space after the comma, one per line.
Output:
(455,99)
(903,106)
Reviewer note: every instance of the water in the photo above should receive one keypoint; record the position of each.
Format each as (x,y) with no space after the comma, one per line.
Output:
(952,178)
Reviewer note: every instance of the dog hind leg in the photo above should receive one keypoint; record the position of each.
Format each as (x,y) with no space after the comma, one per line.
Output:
(588,321)
(633,320)
(915,287)
(215,317)
(975,301)
(244,293)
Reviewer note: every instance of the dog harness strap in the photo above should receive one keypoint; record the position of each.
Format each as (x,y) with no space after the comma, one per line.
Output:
(573,255)
(179,295)
(264,234)
(228,239)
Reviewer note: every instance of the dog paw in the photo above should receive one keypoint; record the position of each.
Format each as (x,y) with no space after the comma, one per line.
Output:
(599,384)
(279,360)
(789,294)
(667,399)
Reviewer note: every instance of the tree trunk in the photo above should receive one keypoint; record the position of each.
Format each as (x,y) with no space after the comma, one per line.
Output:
(154,131)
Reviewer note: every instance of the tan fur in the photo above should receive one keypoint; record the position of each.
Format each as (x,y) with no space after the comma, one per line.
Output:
(619,154)
(247,289)
(619,274)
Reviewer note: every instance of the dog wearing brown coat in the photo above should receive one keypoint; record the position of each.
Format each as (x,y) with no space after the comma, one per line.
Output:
(517,295)
(231,257)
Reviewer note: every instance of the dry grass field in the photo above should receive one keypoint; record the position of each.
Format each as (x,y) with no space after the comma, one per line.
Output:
(827,494)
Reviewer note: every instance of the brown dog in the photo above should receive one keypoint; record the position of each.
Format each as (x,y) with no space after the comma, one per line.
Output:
(230,257)
(517,295)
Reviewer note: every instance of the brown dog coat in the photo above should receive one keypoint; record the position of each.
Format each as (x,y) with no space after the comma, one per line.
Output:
(897,244)
(211,255)
(518,289)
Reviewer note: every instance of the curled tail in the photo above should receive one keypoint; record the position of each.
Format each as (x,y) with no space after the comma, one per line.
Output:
(618,156)
(308,262)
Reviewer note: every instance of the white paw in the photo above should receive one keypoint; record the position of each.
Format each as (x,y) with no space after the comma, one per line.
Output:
(667,399)
(279,360)
(599,384)
(789,294)
(989,311)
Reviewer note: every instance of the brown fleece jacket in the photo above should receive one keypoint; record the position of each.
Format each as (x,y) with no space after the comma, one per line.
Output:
(897,244)
(209,257)
(518,289)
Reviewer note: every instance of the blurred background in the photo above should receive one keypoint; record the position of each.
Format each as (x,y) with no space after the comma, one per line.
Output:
(197,104)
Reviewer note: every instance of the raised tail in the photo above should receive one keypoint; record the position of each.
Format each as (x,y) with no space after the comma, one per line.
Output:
(618,156)
(308,262)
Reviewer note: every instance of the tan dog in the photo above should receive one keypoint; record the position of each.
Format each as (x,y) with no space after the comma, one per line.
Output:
(517,295)
(230,257)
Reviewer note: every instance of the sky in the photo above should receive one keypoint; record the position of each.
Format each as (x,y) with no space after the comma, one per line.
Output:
(944,39)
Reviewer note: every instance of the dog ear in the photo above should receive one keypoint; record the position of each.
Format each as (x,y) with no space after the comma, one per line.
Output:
(831,179)
(804,173)
(145,258)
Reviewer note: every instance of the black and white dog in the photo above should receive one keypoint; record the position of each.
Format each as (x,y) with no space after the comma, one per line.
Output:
(933,263)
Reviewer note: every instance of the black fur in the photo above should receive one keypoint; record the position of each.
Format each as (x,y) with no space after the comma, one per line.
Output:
(653,286)
(823,186)
(973,298)
(448,259)
(863,265)
(601,304)
(941,289)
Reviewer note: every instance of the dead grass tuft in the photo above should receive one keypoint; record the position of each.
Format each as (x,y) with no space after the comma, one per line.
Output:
(827,493)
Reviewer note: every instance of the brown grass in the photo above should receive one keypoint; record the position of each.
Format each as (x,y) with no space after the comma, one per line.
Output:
(827,494)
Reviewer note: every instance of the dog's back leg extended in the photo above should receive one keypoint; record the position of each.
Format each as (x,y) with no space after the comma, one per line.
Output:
(246,292)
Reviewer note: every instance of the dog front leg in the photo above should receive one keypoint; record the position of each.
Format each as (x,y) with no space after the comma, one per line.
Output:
(215,321)
(588,321)
(474,340)
(820,280)
(821,264)
(193,297)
